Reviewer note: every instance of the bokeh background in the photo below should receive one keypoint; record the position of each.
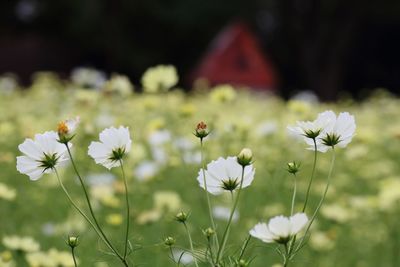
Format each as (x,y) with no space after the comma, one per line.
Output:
(329,47)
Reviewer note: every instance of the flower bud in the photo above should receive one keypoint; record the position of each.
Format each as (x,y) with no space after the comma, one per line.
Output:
(201,130)
(169,241)
(293,167)
(66,130)
(242,263)
(208,232)
(72,241)
(181,217)
(245,156)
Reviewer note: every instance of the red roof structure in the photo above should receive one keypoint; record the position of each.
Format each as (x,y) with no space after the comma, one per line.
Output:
(235,57)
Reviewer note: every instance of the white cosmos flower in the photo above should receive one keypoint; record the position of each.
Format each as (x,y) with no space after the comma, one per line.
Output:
(114,144)
(41,154)
(225,175)
(339,130)
(280,228)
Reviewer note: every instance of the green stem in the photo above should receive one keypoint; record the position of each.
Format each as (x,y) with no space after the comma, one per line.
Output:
(226,232)
(215,238)
(78,209)
(321,201)
(312,175)
(127,209)
(286,257)
(246,243)
(73,257)
(104,237)
(294,194)
(191,244)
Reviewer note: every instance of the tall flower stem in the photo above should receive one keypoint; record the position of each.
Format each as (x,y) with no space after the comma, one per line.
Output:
(207,194)
(190,243)
(100,230)
(127,209)
(312,175)
(294,194)
(226,232)
(328,182)
(73,256)
(79,210)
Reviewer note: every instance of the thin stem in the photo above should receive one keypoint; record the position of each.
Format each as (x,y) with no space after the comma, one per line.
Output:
(73,256)
(286,257)
(215,238)
(127,209)
(312,174)
(172,255)
(294,194)
(226,232)
(191,244)
(78,209)
(105,239)
(246,243)
(321,201)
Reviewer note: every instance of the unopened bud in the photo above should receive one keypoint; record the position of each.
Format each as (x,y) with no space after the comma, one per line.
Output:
(242,263)
(169,241)
(72,241)
(181,217)
(208,232)
(245,157)
(201,130)
(293,167)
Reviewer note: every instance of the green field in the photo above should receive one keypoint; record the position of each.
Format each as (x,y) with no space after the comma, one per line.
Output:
(357,226)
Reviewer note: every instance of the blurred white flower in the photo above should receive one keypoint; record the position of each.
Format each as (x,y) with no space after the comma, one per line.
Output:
(146,170)
(223,213)
(41,155)
(114,144)
(266,128)
(160,137)
(182,257)
(159,78)
(98,179)
(88,78)
(280,228)
(225,175)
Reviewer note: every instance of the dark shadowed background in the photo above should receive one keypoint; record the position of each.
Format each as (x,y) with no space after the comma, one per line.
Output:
(325,46)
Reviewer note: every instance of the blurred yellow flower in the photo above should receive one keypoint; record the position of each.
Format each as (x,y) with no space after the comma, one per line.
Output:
(160,78)
(223,93)
(167,201)
(27,244)
(114,219)
(7,192)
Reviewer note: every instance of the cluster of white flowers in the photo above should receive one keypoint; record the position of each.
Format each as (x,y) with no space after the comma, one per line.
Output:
(50,150)
(326,131)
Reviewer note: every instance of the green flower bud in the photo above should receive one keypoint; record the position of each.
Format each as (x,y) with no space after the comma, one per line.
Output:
(169,241)
(181,217)
(245,156)
(293,167)
(72,241)
(208,232)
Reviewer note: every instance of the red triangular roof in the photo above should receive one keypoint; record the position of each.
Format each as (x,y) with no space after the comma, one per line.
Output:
(235,57)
